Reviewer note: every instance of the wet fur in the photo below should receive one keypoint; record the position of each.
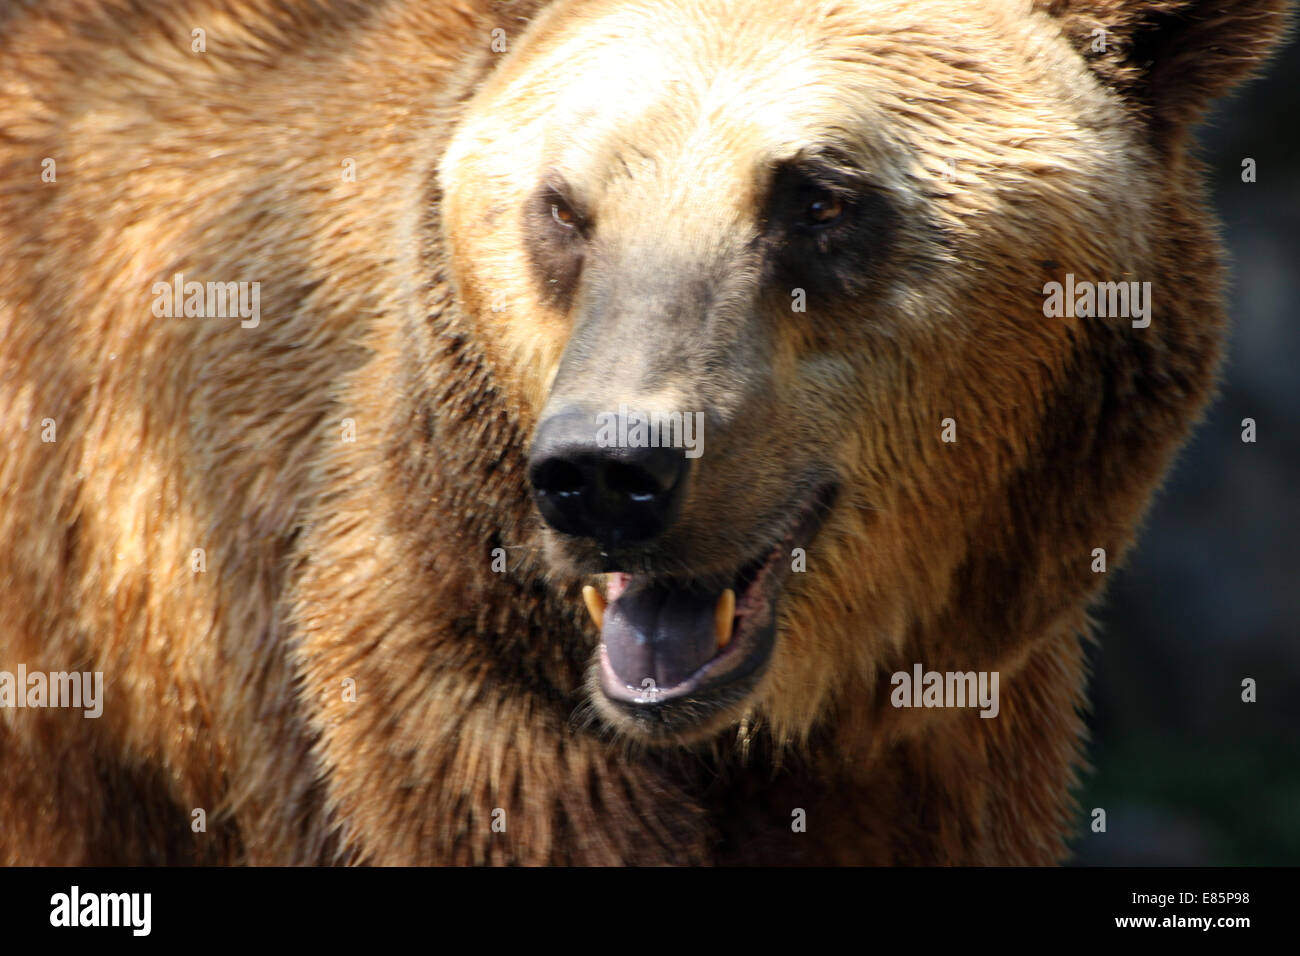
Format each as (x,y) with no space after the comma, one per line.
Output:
(371,560)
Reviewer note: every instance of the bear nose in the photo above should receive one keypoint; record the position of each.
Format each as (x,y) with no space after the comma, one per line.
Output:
(616,495)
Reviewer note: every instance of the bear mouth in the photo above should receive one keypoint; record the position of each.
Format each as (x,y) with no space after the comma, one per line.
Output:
(677,650)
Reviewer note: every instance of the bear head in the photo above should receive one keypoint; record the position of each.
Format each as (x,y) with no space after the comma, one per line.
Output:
(770,287)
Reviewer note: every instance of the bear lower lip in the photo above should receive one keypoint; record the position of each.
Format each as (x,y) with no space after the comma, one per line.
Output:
(660,640)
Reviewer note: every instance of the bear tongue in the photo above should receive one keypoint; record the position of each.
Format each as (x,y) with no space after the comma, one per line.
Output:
(660,632)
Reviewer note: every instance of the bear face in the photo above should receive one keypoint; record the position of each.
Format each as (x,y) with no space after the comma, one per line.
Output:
(824,231)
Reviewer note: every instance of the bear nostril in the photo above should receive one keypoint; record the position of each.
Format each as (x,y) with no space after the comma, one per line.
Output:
(559,477)
(635,483)
(614,495)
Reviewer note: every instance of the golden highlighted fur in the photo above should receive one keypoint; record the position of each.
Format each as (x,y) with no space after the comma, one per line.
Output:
(1013,153)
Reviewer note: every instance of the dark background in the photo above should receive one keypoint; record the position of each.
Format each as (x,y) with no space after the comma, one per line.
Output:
(1187,772)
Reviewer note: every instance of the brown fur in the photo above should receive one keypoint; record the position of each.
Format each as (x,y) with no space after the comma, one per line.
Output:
(371,560)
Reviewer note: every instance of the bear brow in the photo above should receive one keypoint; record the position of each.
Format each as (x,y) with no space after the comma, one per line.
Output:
(553,184)
(828,164)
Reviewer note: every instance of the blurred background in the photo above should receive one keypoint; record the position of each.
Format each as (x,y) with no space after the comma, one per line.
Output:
(1187,772)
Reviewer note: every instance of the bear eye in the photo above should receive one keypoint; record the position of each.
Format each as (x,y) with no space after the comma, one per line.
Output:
(557,229)
(563,214)
(826,227)
(824,209)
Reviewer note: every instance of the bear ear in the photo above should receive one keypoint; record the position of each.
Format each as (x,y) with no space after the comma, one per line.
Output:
(1171,58)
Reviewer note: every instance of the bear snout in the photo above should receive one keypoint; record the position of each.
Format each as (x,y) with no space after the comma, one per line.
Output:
(588,483)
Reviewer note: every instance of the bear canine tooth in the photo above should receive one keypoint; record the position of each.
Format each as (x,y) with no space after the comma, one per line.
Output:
(724,616)
(595,605)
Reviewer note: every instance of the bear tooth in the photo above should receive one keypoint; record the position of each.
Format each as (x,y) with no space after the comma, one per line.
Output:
(724,616)
(595,605)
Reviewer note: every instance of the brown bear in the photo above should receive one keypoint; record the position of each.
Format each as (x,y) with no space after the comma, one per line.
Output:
(350,354)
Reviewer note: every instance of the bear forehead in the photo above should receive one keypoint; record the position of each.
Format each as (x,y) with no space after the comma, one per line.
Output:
(766,39)
(599,89)
(964,114)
